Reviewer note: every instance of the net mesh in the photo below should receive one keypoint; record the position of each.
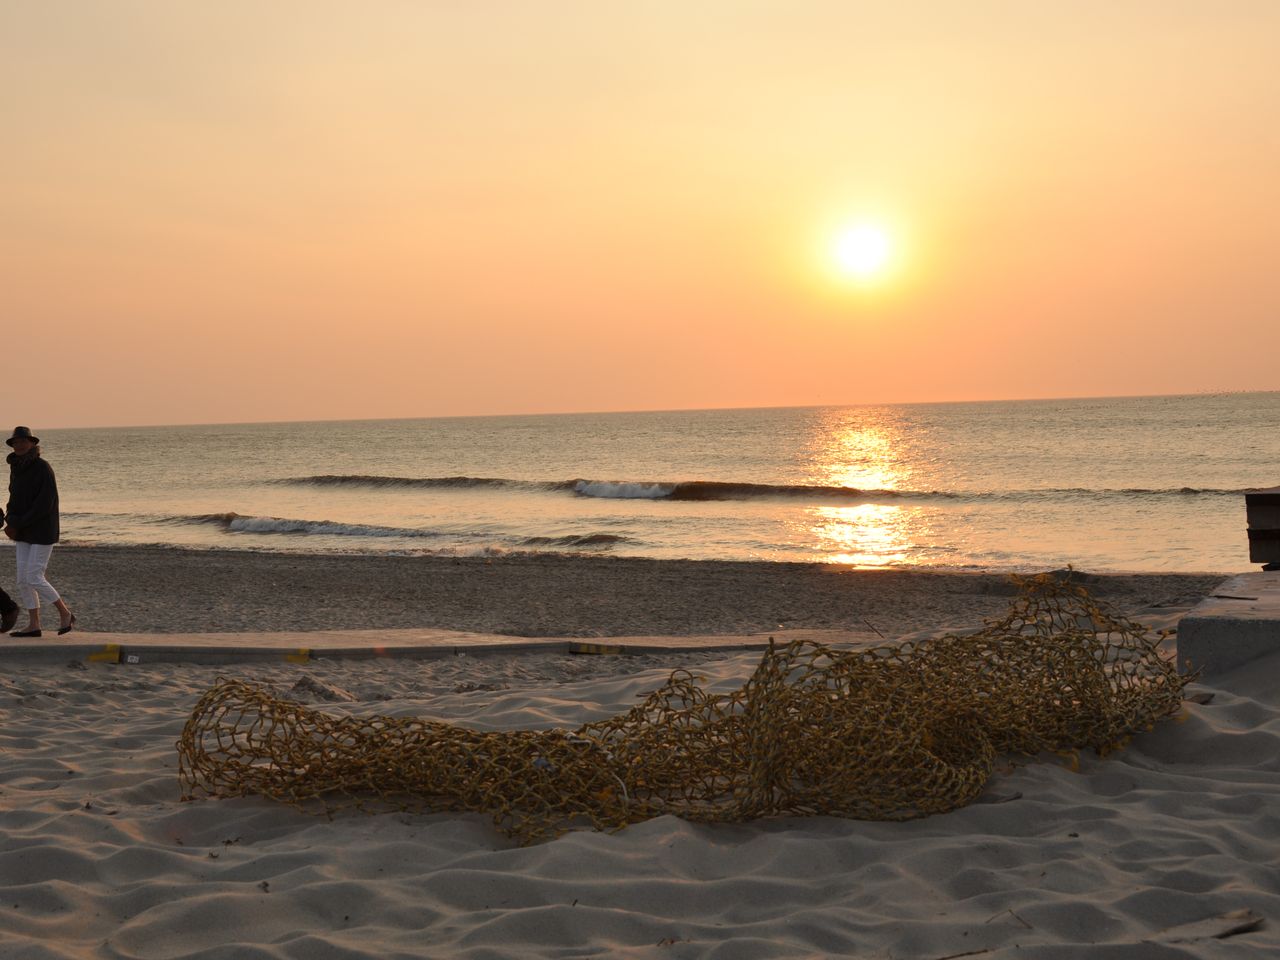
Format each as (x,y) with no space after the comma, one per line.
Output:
(888,733)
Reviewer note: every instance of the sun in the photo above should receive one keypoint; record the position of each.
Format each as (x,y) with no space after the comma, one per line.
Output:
(862,252)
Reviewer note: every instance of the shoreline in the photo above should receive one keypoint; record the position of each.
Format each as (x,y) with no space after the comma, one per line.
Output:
(160,589)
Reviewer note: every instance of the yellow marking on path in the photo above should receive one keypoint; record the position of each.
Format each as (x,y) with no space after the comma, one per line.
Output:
(595,648)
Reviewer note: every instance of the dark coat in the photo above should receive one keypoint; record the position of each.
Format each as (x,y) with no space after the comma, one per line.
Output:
(33,501)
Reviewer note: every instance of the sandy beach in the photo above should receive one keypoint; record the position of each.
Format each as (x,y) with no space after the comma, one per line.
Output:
(166,590)
(1131,855)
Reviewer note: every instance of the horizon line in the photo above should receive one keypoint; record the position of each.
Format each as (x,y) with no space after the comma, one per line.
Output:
(651,410)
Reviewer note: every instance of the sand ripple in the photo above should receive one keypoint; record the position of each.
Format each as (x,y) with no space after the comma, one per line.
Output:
(98,859)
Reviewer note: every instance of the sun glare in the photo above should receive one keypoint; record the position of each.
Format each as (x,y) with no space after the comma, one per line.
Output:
(862,252)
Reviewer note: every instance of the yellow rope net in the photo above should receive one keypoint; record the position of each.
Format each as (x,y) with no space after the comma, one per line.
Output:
(887,733)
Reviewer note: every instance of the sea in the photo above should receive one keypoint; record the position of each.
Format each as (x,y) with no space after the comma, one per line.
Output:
(1109,484)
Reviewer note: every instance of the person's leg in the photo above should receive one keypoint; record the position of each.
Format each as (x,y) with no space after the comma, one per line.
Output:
(8,612)
(26,592)
(37,561)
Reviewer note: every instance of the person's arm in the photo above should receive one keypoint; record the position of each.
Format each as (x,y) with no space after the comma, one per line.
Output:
(41,504)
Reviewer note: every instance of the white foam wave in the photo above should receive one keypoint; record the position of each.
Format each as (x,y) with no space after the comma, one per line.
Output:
(623,491)
(240,524)
(477,550)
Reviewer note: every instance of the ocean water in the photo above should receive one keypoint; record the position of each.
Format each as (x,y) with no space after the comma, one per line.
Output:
(1147,483)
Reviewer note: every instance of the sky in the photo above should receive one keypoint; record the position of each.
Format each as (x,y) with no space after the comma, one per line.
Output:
(344,210)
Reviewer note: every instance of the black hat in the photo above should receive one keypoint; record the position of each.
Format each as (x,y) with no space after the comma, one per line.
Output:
(22,433)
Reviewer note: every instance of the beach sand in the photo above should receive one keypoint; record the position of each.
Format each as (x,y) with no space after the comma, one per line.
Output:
(1122,857)
(166,590)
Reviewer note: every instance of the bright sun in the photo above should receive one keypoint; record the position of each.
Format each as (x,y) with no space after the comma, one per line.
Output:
(862,252)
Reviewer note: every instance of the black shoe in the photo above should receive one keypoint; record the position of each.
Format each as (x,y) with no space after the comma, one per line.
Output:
(67,628)
(25,633)
(8,619)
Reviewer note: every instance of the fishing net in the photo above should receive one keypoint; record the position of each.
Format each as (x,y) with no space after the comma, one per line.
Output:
(887,733)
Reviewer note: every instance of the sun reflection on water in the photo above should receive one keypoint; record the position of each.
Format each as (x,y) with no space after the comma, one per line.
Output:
(870,457)
(865,456)
(867,535)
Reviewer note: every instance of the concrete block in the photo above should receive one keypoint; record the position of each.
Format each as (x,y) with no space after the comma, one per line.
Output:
(1238,622)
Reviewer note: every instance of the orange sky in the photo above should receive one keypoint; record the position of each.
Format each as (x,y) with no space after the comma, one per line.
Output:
(323,210)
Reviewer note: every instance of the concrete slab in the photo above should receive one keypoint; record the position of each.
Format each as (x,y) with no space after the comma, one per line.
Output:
(1238,622)
(302,646)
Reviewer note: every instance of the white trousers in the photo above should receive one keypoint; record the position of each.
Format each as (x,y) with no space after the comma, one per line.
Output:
(32,585)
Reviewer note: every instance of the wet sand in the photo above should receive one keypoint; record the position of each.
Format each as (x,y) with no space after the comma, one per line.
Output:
(166,590)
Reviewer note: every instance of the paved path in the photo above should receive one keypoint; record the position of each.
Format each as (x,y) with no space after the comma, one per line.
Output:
(1238,622)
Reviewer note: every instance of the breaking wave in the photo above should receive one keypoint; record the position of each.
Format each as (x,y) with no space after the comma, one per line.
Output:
(715,490)
(235,523)
(577,540)
(363,480)
(709,490)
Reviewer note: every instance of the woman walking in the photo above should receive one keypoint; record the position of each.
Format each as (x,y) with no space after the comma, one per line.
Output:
(31,518)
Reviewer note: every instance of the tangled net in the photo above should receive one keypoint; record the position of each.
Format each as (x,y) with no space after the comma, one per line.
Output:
(887,733)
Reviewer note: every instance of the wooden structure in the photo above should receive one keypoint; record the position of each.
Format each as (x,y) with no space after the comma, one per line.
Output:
(1262,508)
